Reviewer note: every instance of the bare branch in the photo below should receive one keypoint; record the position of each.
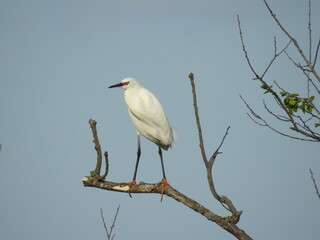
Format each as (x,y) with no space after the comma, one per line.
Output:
(295,42)
(109,233)
(195,105)
(244,49)
(226,203)
(276,96)
(303,71)
(104,223)
(316,55)
(314,183)
(226,223)
(96,173)
(215,154)
(276,54)
(281,118)
(266,124)
(310,31)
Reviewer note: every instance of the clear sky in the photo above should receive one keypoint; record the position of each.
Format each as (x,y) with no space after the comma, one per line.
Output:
(57,59)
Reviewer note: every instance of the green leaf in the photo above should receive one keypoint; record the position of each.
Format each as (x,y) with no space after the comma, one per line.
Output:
(309,108)
(317,124)
(311,98)
(303,107)
(283,94)
(292,102)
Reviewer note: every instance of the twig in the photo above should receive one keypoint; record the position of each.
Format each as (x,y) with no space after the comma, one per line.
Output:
(109,233)
(295,42)
(310,32)
(215,154)
(310,45)
(280,118)
(276,54)
(316,55)
(303,70)
(266,124)
(244,49)
(314,183)
(104,222)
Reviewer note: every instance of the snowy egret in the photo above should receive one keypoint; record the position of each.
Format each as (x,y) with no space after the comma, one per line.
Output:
(150,121)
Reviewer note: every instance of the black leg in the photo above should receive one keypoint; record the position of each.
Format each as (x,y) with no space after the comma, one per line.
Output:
(138,158)
(162,165)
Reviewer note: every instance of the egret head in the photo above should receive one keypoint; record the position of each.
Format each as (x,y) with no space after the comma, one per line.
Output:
(127,83)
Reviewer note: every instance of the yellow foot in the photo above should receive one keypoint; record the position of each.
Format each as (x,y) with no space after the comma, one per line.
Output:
(131,184)
(163,184)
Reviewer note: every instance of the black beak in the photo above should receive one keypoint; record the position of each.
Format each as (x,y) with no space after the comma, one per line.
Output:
(117,85)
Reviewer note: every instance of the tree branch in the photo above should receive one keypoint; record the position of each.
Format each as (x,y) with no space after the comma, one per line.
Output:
(229,223)
(96,173)
(226,203)
(266,124)
(314,183)
(195,105)
(226,223)
(290,117)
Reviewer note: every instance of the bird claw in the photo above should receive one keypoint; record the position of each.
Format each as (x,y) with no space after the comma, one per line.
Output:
(131,184)
(163,184)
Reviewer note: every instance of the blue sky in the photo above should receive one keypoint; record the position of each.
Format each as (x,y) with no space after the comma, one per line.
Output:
(57,60)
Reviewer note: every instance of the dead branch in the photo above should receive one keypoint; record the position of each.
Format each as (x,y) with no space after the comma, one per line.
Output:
(96,173)
(209,163)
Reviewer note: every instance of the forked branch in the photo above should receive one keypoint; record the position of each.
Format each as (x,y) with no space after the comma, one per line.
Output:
(209,163)
(109,234)
(295,42)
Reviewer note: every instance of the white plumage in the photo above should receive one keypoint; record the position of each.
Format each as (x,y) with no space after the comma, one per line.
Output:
(149,119)
(147,114)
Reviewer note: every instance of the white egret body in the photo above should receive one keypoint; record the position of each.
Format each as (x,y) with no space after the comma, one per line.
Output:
(148,117)
(147,114)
